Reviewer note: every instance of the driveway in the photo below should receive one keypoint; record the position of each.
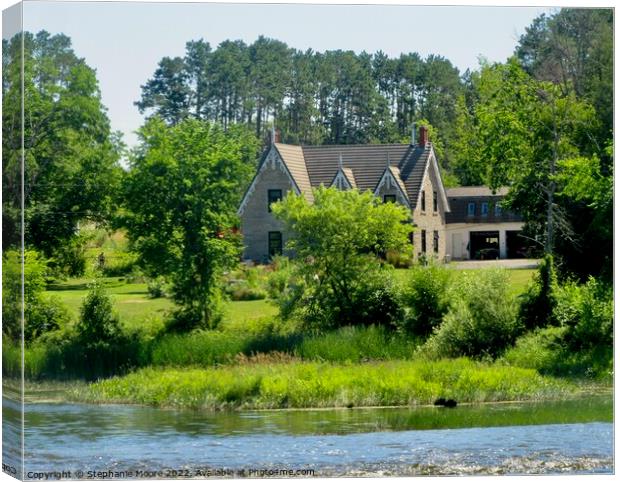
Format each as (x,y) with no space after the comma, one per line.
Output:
(496,263)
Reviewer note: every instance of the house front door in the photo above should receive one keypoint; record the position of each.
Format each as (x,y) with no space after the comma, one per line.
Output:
(457,246)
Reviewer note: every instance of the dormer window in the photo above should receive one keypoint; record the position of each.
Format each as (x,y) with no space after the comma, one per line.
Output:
(389,198)
(273,196)
(471,209)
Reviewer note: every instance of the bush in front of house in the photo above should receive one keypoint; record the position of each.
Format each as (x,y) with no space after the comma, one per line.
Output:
(481,321)
(339,277)
(587,311)
(425,298)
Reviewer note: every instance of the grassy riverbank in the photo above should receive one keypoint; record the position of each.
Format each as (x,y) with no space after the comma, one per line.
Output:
(294,384)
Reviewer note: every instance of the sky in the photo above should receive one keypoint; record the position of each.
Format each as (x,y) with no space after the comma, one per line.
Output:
(125,41)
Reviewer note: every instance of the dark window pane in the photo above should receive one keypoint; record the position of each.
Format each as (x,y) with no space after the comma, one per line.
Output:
(423,240)
(436,241)
(273,196)
(275,243)
(435,201)
(423,201)
(471,209)
(389,198)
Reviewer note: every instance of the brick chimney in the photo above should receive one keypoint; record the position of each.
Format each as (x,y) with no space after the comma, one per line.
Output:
(275,136)
(423,136)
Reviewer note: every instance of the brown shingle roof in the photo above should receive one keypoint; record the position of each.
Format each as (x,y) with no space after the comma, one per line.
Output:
(293,157)
(367,164)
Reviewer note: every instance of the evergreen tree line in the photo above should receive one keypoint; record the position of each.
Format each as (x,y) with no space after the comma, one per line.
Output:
(334,97)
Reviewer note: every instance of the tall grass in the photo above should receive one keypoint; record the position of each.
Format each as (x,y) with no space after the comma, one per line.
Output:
(64,359)
(312,384)
(355,344)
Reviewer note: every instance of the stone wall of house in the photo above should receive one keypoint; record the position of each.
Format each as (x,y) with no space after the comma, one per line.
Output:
(256,220)
(428,220)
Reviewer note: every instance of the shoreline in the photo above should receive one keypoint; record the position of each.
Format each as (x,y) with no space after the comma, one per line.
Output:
(143,388)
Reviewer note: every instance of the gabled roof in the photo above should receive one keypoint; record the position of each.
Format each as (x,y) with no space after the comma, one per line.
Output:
(362,165)
(293,158)
(392,175)
(348,173)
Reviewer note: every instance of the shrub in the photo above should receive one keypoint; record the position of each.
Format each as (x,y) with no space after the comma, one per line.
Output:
(541,349)
(156,287)
(242,291)
(98,322)
(41,314)
(44,314)
(587,311)
(379,301)
(70,257)
(425,299)
(278,280)
(339,240)
(482,319)
(538,303)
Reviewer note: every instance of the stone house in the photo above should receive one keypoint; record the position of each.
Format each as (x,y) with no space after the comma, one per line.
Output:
(460,223)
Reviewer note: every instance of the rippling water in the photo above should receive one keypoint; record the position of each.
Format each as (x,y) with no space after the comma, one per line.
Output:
(552,437)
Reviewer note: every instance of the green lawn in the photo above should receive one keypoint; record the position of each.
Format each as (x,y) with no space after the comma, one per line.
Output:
(135,307)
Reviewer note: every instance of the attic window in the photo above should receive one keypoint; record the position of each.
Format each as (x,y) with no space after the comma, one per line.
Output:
(389,198)
(273,196)
(423,201)
(434,201)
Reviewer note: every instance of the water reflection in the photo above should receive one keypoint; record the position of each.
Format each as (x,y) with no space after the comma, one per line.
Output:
(574,436)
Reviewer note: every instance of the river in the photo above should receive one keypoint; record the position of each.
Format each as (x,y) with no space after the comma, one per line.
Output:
(574,436)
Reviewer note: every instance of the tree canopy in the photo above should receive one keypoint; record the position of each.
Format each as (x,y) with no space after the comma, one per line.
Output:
(70,155)
(340,239)
(180,198)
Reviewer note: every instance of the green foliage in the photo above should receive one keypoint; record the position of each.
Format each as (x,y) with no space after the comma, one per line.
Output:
(278,279)
(574,49)
(246,284)
(70,257)
(538,302)
(482,319)
(355,344)
(98,322)
(587,311)
(42,313)
(540,349)
(546,350)
(305,385)
(333,97)
(425,298)
(339,238)
(70,155)
(180,198)
(156,287)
